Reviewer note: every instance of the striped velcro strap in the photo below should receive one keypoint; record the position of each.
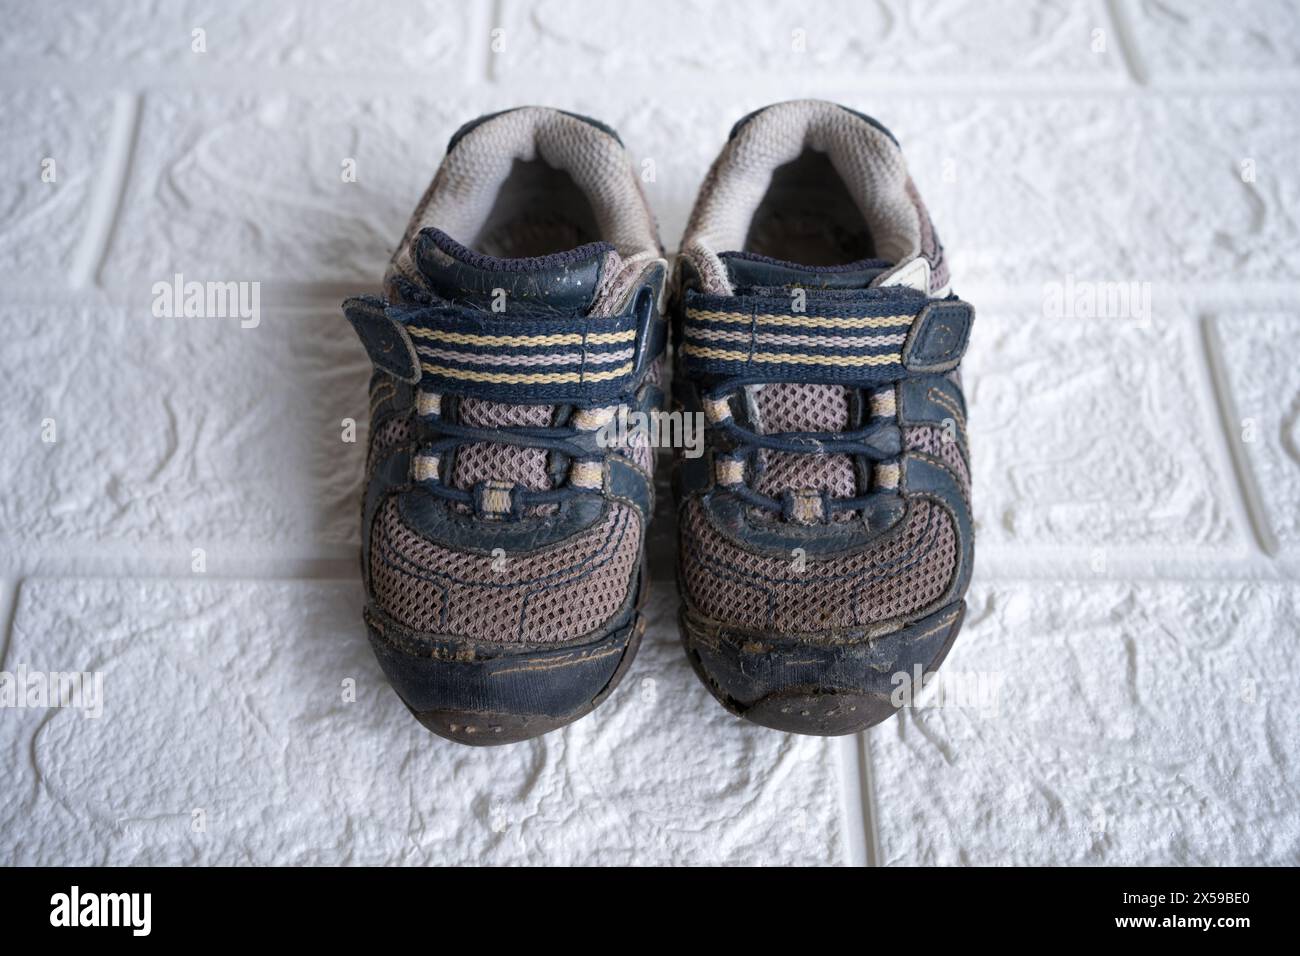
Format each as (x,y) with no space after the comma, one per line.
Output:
(523,358)
(861,338)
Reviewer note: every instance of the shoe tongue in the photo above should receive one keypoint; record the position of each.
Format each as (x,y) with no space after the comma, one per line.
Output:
(561,282)
(748,270)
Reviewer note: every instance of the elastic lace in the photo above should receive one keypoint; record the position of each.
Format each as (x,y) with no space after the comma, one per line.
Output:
(879,442)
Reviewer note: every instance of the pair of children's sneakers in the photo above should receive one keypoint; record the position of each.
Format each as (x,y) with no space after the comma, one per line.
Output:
(825,540)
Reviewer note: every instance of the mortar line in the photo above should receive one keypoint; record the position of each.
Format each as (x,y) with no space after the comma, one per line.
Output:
(170,567)
(8,614)
(496,16)
(1248,499)
(1126,42)
(106,205)
(138,80)
(872,806)
(853,816)
(855,751)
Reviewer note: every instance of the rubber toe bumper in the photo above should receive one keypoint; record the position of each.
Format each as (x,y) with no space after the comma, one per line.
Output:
(485,694)
(815,687)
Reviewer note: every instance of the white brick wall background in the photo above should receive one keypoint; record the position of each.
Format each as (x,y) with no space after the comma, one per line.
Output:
(1137,485)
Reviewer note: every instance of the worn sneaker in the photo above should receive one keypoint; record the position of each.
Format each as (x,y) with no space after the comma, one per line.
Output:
(825,538)
(502,539)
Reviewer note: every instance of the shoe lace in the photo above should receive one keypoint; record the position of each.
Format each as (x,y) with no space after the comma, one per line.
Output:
(877,442)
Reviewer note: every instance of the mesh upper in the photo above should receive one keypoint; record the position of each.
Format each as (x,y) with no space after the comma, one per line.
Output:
(481,461)
(899,574)
(554,594)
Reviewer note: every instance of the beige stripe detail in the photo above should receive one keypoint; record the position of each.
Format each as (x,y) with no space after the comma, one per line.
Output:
(496,497)
(887,476)
(428,403)
(591,419)
(717,410)
(883,403)
(729,471)
(507,341)
(807,321)
(777,338)
(425,468)
(587,474)
(806,507)
(543,358)
(797,358)
(529,378)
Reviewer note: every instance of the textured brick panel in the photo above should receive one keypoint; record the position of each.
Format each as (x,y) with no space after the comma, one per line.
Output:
(1135,724)
(189,430)
(252,187)
(1088,432)
(1259,355)
(345,35)
(43,224)
(228,697)
(1211,40)
(1031,190)
(889,38)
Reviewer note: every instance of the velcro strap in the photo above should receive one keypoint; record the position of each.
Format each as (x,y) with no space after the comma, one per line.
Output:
(386,342)
(939,335)
(519,358)
(859,338)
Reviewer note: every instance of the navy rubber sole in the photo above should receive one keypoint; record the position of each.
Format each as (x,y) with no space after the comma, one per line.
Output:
(484,694)
(808,687)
